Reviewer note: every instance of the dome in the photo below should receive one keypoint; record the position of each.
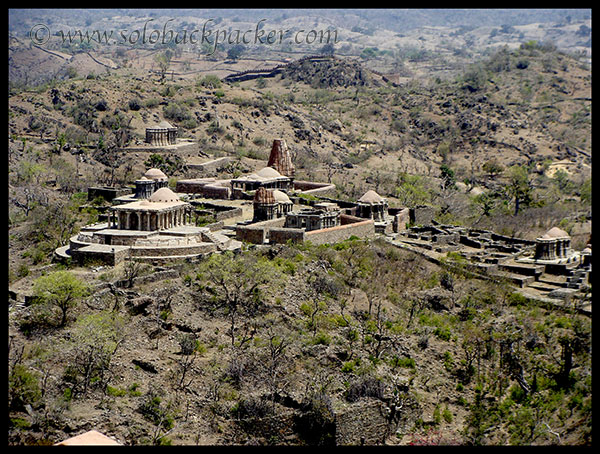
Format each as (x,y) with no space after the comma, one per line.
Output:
(164,125)
(155,174)
(371,197)
(555,232)
(164,195)
(268,172)
(281,196)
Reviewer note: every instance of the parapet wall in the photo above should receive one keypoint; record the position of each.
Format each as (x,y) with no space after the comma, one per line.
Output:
(274,231)
(311,187)
(361,229)
(208,187)
(258,232)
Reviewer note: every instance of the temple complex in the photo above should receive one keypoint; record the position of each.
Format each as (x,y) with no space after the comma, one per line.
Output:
(157,224)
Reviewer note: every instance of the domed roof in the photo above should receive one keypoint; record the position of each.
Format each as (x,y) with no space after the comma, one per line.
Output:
(162,125)
(164,195)
(155,174)
(555,232)
(268,172)
(371,197)
(281,196)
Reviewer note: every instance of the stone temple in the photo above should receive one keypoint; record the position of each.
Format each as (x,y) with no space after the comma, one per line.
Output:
(161,134)
(157,228)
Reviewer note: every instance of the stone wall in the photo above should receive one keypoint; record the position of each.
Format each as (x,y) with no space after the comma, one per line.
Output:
(421,215)
(258,232)
(314,188)
(362,229)
(282,236)
(208,187)
(148,251)
(363,422)
(401,218)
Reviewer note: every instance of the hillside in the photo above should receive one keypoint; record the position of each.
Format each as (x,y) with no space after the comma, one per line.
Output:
(301,344)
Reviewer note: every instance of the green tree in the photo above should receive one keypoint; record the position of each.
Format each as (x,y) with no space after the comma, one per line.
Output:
(411,190)
(519,187)
(60,289)
(492,167)
(91,346)
(163,60)
(235,52)
(235,285)
(210,81)
(448,178)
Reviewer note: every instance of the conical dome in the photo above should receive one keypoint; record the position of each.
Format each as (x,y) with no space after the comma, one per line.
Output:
(371,197)
(555,232)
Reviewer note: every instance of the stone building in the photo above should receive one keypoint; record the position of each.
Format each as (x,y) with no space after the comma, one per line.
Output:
(313,219)
(372,206)
(555,244)
(280,158)
(162,210)
(153,180)
(270,204)
(161,134)
(267,177)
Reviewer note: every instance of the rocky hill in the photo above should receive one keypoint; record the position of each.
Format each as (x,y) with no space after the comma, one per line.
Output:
(332,345)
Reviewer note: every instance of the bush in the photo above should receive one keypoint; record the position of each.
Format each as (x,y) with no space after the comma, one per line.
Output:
(23,388)
(176,112)
(210,81)
(134,104)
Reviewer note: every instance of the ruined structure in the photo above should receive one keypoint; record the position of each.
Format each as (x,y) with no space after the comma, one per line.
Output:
(161,134)
(153,180)
(270,204)
(267,177)
(162,210)
(280,158)
(372,206)
(279,175)
(555,244)
(157,228)
(314,219)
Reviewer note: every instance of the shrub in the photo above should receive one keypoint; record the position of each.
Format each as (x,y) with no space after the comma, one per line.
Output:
(23,387)
(134,104)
